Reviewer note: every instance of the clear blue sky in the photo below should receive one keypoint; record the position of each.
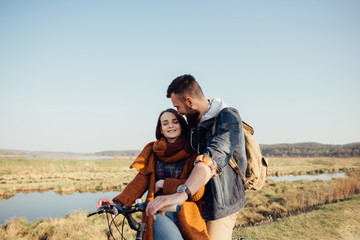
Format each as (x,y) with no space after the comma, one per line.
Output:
(88,76)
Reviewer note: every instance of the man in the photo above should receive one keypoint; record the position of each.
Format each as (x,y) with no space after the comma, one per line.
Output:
(217,135)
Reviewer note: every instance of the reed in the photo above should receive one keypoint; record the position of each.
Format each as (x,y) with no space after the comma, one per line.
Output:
(300,166)
(280,199)
(340,220)
(75,226)
(63,176)
(274,201)
(68,176)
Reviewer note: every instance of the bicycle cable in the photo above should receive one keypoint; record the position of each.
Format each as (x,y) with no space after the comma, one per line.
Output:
(114,223)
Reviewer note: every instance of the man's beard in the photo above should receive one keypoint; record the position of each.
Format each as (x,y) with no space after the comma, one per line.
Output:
(193,118)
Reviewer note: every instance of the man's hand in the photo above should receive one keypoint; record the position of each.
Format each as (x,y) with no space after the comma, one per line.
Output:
(164,201)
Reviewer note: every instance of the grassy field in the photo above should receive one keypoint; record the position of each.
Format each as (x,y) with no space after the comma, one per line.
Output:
(339,220)
(68,176)
(281,199)
(63,176)
(274,203)
(301,166)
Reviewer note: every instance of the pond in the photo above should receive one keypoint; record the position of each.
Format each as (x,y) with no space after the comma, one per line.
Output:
(327,176)
(33,206)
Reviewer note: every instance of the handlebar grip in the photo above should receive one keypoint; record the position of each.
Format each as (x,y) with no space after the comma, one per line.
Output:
(90,214)
(172,208)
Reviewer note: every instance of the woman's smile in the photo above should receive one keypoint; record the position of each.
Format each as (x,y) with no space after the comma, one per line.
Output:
(170,126)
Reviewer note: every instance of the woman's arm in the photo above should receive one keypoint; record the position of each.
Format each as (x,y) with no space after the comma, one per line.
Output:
(135,189)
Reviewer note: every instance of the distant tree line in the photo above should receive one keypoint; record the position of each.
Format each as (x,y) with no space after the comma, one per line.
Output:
(311,150)
(119,153)
(308,149)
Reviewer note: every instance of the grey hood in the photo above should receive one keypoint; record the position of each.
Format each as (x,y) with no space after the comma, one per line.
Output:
(216,105)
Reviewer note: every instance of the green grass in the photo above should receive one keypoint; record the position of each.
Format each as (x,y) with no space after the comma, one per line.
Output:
(333,221)
(280,199)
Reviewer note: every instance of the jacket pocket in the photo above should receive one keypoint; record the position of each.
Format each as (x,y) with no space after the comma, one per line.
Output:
(217,189)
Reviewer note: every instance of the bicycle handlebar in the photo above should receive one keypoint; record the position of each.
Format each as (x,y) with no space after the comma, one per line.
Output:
(139,207)
(126,211)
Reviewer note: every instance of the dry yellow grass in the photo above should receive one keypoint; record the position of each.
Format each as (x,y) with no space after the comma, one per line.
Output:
(63,176)
(299,166)
(275,200)
(75,226)
(280,199)
(340,220)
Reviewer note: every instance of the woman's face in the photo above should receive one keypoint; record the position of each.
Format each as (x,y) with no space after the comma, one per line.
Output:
(170,126)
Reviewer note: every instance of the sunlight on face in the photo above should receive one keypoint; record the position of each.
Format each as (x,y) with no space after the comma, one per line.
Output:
(170,126)
(178,103)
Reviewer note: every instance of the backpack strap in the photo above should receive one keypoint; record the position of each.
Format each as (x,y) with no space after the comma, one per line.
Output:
(214,128)
(236,168)
(232,161)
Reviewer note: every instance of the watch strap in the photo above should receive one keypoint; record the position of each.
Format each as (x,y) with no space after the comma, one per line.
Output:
(187,190)
(184,188)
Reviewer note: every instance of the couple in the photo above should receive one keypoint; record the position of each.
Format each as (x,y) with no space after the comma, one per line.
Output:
(175,168)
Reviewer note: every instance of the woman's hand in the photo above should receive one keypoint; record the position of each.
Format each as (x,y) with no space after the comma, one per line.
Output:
(159,185)
(103,201)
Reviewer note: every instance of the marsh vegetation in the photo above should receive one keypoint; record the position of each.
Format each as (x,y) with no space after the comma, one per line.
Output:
(63,176)
(274,203)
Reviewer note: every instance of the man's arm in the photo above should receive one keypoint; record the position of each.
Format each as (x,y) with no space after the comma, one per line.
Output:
(225,138)
(199,176)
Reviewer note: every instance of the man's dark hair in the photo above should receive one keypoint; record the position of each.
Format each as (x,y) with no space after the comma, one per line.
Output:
(184,126)
(185,83)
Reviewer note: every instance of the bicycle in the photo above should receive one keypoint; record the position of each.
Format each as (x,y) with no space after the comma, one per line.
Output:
(127,211)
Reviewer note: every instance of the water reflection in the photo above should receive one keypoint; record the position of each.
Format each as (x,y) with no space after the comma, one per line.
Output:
(324,177)
(37,205)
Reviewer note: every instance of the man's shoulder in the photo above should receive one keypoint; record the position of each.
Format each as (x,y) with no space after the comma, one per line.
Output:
(226,115)
(229,112)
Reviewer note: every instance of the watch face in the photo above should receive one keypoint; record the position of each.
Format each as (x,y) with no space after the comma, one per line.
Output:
(181,188)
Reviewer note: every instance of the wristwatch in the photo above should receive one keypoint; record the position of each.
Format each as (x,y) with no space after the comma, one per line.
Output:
(184,188)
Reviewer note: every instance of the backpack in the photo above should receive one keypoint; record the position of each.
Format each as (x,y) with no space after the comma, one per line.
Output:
(257,165)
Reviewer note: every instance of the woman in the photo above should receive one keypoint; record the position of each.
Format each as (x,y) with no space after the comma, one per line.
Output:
(164,165)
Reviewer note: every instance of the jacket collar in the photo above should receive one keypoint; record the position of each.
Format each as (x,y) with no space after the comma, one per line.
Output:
(216,105)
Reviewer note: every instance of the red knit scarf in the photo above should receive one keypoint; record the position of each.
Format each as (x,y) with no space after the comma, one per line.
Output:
(173,152)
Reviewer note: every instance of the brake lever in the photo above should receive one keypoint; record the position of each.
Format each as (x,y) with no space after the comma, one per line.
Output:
(115,210)
(99,211)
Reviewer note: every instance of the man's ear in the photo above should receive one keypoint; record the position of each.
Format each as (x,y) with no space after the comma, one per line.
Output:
(189,102)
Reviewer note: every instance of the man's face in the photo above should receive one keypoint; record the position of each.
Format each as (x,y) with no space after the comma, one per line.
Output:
(192,115)
(179,103)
